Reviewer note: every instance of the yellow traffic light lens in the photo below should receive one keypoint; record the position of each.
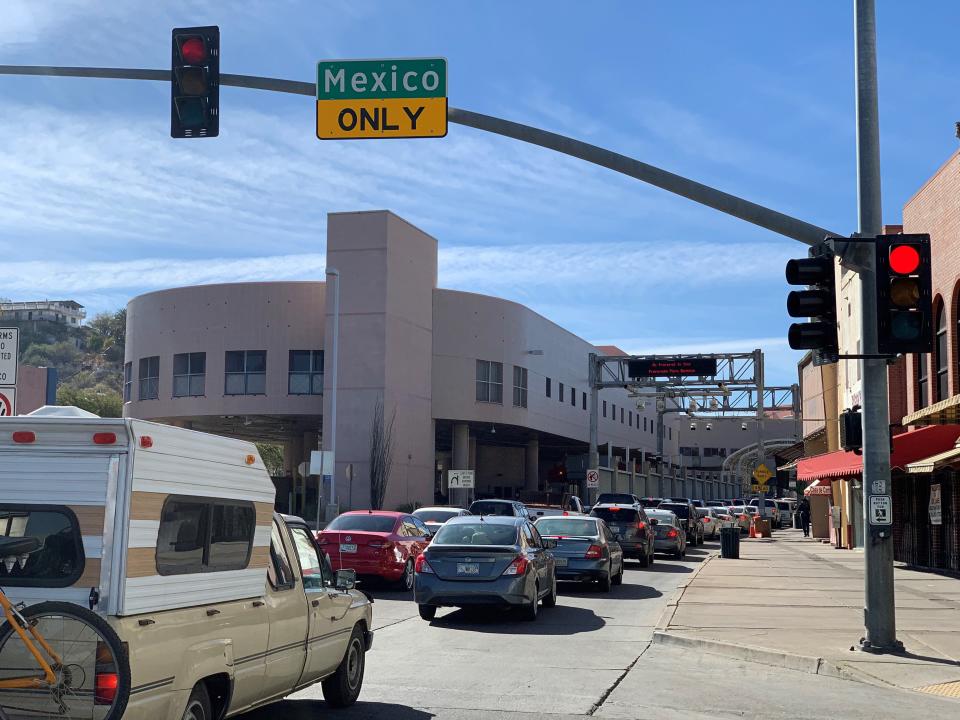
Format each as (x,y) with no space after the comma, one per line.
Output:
(905,292)
(193,81)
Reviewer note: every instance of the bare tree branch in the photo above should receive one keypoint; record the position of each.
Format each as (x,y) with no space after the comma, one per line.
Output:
(381,453)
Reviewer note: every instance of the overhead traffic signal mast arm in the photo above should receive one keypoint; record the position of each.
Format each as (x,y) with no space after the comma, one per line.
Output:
(751,212)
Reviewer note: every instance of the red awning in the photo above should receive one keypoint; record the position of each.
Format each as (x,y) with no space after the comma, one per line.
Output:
(908,447)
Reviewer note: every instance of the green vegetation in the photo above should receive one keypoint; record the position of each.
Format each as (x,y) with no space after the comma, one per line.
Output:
(89,359)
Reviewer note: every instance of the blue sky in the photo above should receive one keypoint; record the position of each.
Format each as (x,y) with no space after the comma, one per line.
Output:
(754,97)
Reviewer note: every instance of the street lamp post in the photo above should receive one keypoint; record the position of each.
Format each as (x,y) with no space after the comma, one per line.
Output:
(335,352)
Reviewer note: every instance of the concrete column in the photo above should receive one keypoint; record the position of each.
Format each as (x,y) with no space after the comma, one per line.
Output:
(461,459)
(471,494)
(532,474)
(610,455)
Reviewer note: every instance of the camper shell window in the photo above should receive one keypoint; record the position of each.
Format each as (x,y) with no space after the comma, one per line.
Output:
(204,535)
(59,560)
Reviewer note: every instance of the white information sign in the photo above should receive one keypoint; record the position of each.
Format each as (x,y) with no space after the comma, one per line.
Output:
(9,355)
(593,479)
(936,506)
(460,479)
(321,462)
(8,401)
(881,510)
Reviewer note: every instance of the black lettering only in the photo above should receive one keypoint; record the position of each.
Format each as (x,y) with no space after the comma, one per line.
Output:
(413,116)
(366,118)
(387,126)
(347,112)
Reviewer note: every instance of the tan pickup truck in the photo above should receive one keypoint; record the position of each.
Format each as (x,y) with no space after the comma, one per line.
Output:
(169,535)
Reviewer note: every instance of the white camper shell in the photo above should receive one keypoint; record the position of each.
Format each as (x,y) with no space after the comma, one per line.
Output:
(109,482)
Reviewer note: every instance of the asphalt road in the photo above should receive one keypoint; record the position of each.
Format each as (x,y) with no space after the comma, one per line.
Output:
(590,655)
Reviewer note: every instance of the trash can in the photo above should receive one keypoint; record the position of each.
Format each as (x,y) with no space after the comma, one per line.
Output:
(730,542)
(796,521)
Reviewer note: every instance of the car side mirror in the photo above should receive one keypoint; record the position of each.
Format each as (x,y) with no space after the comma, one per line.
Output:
(654,521)
(549,544)
(346,579)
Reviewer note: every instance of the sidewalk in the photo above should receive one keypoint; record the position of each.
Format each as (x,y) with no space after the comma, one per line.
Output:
(795,602)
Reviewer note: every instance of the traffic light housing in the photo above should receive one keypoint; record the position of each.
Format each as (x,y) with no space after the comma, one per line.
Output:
(818,302)
(904,294)
(195,82)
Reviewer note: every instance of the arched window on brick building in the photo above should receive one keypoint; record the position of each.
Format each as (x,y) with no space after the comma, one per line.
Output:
(942,355)
(923,380)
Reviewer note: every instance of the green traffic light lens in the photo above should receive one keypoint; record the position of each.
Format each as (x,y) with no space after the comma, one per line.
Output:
(191,112)
(905,292)
(192,81)
(905,325)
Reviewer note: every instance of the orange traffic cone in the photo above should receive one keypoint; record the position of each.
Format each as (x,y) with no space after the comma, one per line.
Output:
(753,527)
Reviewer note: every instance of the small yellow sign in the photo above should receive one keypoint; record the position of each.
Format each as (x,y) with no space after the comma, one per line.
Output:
(381,118)
(762,474)
(758,488)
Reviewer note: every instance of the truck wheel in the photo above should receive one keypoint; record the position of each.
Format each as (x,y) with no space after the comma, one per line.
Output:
(198,706)
(427,612)
(343,687)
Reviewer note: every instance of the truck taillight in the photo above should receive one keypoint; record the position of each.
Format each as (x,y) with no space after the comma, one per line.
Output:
(517,567)
(24,437)
(105,687)
(594,552)
(421,565)
(104,438)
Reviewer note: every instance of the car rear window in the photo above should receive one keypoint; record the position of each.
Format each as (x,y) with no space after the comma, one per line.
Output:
(59,560)
(492,508)
(650,502)
(677,509)
(615,515)
(478,533)
(363,523)
(568,526)
(662,518)
(435,515)
(703,512)
(615,498)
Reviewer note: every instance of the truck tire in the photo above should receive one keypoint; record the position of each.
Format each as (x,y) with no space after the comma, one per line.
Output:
(342,688)
(198,704)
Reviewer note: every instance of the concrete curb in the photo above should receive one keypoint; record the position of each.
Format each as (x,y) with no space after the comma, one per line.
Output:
(774,658)
(671,608)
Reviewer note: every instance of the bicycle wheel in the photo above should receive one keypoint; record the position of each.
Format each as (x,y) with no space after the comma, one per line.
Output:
(92,680)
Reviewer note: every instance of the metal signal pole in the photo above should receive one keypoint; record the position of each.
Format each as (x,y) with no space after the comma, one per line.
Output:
(879,608)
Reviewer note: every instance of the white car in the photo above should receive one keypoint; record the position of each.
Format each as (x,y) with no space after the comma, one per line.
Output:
(435,517)
(711,521)
(741,516)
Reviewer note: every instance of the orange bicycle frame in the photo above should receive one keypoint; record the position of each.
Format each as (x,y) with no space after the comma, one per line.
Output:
(31,682)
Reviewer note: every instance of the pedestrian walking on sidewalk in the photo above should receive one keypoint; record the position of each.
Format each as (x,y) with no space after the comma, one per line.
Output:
(803,507)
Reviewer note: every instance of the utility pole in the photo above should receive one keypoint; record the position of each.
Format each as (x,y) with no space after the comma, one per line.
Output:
(879,608)
(593,461)
(758,372)
(334,363)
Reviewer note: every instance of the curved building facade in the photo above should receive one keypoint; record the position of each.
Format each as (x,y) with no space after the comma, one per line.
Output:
(472,381)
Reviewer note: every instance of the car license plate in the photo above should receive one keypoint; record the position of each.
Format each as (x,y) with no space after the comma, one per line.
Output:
(560,562)
(468,569)
(348,547)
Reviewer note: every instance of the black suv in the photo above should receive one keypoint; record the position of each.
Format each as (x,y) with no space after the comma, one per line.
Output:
(634,530)
(689,518)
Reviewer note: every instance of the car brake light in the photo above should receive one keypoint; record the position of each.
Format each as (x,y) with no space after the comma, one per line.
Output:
(671,533)
(641,525)
(421,565)
(706,519)
(594,552)
(517,567)
(104,438)
(24,436)
(105,687)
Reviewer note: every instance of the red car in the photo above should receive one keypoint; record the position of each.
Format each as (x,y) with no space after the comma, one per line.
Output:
(375,543)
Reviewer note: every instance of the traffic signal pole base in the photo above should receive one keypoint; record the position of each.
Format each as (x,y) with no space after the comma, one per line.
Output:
(896,648)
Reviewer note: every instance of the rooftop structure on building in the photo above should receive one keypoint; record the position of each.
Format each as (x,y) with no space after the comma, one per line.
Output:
(65,312)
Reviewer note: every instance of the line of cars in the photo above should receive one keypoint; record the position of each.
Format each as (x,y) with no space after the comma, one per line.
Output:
(495,553)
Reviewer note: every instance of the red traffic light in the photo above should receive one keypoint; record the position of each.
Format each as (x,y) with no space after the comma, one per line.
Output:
(904,259)
(193,50)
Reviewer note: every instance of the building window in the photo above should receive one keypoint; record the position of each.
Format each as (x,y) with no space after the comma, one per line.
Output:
(489,381)
(189,374)
(669,433)
(644,424)
(613,415)
(584,401)
(246,372)
(621,416)
(630,418)
(604,408)
(305,372)
(519,386)
(560,394)
(150,378)
(573,397)
(127,381)
(923,380)
(942,354)
(548,387)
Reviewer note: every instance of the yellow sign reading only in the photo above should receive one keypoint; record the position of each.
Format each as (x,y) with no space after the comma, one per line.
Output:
(382,118)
